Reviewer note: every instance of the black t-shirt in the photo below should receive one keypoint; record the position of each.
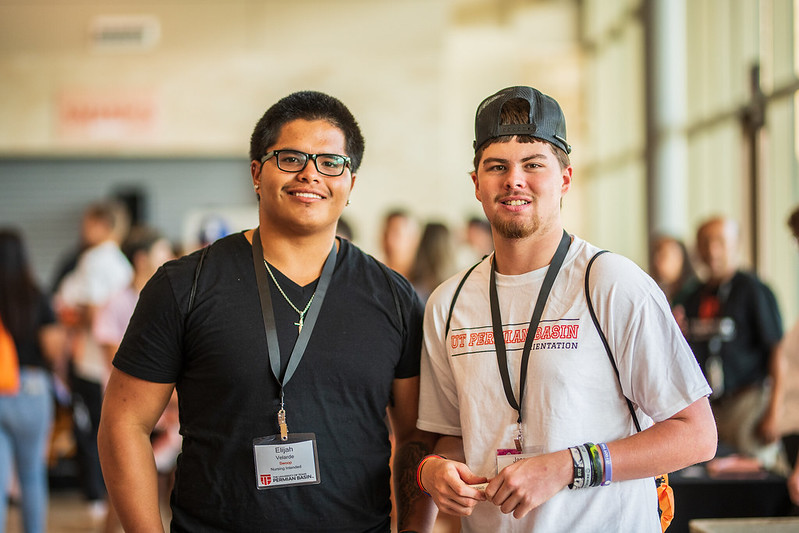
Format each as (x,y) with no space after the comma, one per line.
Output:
(740,319)
(29,351)
(217,356)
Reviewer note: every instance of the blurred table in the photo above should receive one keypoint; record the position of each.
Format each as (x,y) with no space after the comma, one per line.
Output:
(699,495)
(745,525)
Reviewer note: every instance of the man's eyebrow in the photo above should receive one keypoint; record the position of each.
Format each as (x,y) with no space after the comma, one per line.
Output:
(534,156)
(506,161)
(495,160)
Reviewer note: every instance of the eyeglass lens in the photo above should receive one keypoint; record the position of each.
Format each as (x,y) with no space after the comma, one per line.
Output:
(327,164)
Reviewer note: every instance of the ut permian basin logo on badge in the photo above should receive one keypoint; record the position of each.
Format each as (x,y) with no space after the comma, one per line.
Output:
(266,479)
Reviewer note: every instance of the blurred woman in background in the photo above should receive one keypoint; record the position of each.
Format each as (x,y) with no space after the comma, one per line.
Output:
(435,259)
(26,416)
(672,269)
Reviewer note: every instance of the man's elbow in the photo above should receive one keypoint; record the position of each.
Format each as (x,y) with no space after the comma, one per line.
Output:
(706,450)
(705,436)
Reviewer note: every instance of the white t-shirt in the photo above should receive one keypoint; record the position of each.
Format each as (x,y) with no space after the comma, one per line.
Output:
(572,394)
(101,272)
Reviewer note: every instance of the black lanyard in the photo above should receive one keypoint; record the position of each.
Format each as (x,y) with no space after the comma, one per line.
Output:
(269,314)
(496,321)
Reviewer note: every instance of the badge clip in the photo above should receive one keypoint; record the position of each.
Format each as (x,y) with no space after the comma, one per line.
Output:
(281,420)
(519,440)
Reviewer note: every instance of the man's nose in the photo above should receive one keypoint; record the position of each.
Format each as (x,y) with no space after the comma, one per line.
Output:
(309,173)
(515,178)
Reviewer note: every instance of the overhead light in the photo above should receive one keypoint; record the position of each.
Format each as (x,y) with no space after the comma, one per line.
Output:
(111,33)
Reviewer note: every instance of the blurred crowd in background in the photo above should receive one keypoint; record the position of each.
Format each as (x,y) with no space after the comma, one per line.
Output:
(66,335)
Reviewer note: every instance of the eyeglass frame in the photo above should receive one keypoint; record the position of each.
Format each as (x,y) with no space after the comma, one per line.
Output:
(308,157)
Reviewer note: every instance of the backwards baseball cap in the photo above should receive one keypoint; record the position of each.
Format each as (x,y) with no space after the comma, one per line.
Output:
(546,120)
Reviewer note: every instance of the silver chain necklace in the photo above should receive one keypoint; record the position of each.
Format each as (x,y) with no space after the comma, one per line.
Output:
(301,313)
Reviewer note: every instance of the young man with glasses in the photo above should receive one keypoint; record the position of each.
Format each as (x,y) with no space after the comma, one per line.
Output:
(287,347)
(520,412)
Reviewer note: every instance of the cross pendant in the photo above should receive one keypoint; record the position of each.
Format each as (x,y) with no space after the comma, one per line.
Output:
(299,325)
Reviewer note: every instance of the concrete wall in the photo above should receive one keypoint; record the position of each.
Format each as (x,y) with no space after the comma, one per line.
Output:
(412,72)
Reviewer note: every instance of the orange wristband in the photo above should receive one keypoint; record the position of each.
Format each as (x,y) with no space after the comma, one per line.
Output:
(419,470)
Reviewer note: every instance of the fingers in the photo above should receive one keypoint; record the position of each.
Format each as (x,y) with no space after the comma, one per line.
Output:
(467,476)
(524,485)
(457,495)
(456,506)
(446,481)
(517,489)
(501,492)
(458,502)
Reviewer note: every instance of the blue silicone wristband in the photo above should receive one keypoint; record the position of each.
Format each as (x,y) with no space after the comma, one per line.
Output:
(608,464)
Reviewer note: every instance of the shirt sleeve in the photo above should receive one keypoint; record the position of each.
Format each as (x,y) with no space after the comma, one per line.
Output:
(657,369)
(438,395)
(408,365)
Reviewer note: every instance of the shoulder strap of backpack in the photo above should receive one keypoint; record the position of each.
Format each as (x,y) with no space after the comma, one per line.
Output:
(602,336)
(394,293)
(193,292)
(457,292)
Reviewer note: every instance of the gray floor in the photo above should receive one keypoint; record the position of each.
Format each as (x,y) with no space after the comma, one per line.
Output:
(68,513)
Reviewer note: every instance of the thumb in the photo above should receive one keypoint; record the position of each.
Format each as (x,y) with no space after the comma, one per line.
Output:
(467,476)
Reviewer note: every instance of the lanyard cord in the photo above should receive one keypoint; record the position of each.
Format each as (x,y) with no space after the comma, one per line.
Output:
(496,322)
(269,313)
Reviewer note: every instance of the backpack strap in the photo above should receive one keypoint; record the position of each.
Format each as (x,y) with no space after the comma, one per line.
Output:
(395,294)
(193,292)
(457,292)
(398,307)
(602,335)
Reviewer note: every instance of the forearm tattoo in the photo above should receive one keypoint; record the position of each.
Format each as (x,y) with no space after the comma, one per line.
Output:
(407,494)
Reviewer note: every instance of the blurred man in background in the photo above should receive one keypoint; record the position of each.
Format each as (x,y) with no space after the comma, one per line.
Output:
(733,325)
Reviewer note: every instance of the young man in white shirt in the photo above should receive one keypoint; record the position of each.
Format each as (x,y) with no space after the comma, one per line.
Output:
(569,395)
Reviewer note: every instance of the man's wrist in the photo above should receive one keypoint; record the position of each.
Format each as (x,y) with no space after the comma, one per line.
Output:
(419,470)
(568,469)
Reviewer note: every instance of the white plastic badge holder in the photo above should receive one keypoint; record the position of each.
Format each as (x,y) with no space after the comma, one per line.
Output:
(505,459)
(286,463)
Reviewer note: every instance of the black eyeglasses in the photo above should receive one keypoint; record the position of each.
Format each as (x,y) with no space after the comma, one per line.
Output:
(294,161)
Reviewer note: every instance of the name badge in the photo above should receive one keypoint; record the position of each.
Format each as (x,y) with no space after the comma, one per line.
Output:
(286,463)
(507,457)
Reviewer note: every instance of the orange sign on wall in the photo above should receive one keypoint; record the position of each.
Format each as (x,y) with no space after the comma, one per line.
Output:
(108,115)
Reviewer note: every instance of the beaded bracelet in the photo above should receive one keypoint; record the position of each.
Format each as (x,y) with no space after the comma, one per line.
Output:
(608,464)
(419,470)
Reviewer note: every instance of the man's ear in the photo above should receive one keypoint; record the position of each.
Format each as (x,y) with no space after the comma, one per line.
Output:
(567,181)
(476,186)
(255,172)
